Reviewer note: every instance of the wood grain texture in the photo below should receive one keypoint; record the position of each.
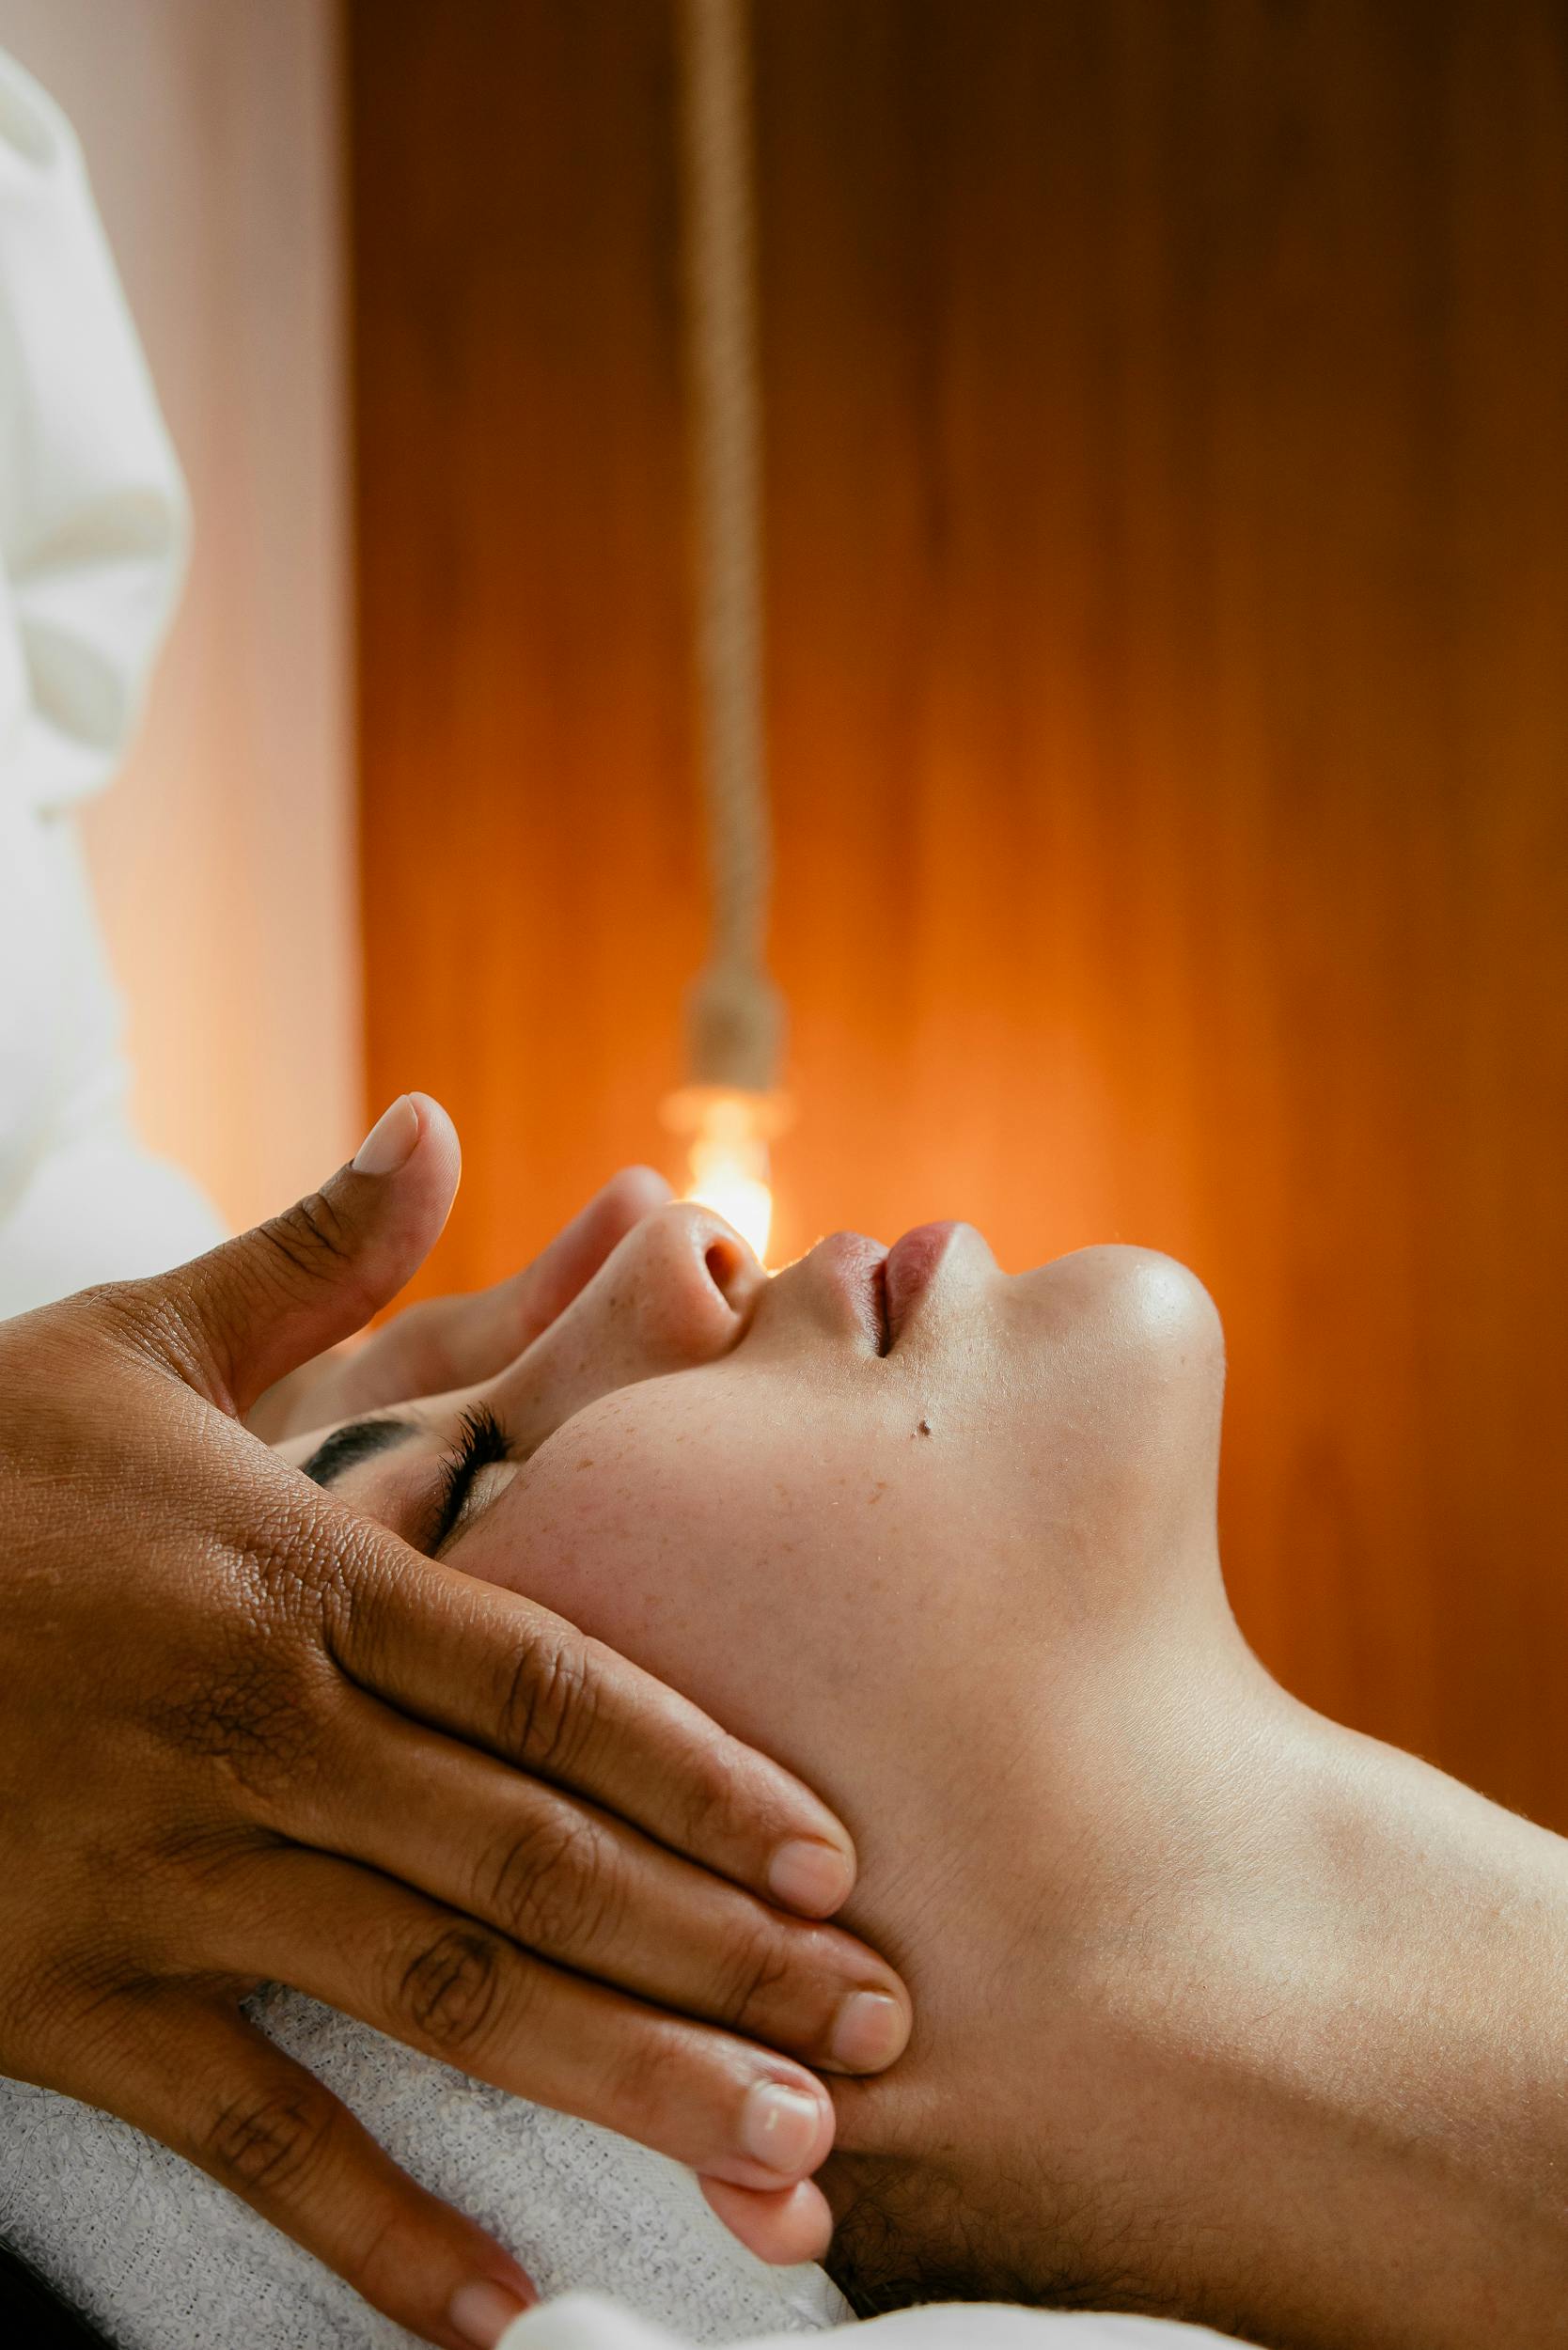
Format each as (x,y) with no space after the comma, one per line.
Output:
(1167,569)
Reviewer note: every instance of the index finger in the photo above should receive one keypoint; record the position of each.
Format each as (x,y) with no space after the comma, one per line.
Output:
(503,1673)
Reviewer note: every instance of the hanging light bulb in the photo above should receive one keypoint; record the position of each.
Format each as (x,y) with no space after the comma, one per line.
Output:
(731,1110)
(729,1128)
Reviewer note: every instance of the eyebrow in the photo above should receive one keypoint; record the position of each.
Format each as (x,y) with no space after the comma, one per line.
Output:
(357,1440)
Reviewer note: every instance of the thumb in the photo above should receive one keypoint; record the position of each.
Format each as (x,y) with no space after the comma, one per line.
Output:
(255,1309)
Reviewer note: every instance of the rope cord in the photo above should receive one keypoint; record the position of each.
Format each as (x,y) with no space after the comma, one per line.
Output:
(736,1018)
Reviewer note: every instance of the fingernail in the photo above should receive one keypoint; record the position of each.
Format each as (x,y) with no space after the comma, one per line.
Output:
(810,1876)
(390,1141)
(781,2128)
(482,2312)
(869,2032)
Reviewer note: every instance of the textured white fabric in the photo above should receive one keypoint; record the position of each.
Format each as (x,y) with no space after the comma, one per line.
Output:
(162,2259)
(92,548)
(584,2321)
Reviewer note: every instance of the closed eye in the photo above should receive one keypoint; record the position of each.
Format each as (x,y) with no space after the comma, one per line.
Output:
(482,1444)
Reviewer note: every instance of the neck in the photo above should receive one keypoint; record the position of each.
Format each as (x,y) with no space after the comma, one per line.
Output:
(1043,1992)
(1215,2037)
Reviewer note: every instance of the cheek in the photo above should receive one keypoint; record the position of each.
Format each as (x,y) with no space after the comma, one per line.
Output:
(754,1560)
(628,1523)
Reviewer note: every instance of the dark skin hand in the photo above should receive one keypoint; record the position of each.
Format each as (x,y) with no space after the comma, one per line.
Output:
(250,1736)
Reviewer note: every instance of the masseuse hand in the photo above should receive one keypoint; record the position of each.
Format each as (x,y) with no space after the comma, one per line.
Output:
(248,1735)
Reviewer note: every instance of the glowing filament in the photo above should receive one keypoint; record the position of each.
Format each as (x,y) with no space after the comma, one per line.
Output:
(729,1131)
(729,1172)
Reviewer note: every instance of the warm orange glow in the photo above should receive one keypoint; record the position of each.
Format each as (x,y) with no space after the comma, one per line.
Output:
(733,1179)
(727,1156)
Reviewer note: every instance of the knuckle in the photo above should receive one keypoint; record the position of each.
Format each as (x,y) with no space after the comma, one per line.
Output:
(309,1238)
(271,2141)
(548,1706)
(220,1300)
(554,1885)
(640,2081)
(754,1964)
(711,1804)
(255,1718)
(451,1988)
(339,1595)
(349,1601)
(380,2256)
(284,1566)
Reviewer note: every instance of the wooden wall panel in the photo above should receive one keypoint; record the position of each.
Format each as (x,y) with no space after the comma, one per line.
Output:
(1169,695)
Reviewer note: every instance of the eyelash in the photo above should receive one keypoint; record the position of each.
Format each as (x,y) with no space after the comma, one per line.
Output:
(482,1444)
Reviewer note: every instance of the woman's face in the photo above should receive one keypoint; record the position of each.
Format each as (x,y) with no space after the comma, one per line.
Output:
(943,1542)
(810,1500)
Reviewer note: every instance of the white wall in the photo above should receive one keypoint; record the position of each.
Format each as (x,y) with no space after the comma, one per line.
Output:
(225,856)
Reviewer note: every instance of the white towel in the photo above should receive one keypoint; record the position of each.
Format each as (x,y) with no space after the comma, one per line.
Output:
(160,2258)
(584,2322)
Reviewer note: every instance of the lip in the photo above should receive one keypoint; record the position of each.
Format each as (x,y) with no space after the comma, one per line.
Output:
(910,1268)
(854,1265)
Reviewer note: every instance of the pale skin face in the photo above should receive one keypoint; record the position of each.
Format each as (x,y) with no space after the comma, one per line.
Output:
(833,1548)
(860,1554)
(1221,2012)
(726,1477)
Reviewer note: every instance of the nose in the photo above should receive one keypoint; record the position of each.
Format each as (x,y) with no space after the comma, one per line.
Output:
(732,1264)
(683,1285)
(677,1291)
